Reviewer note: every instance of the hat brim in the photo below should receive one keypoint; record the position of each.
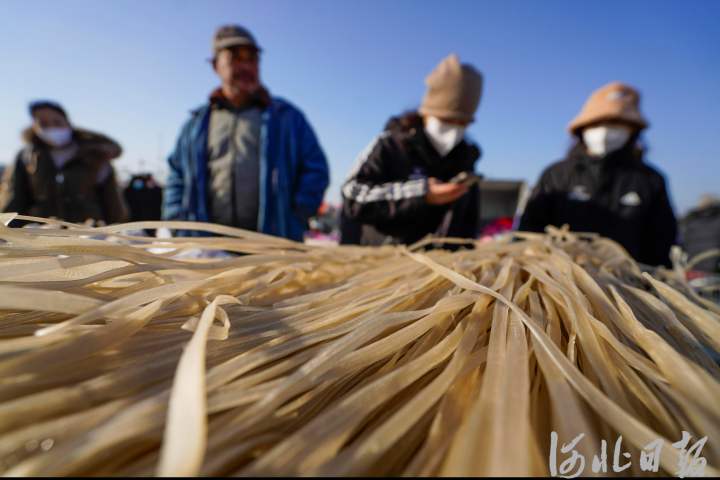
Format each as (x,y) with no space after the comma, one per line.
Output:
(235,42)
(583,121)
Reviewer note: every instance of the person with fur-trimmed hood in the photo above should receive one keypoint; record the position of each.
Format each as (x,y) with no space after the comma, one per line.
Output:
(63,172)
(400,189)
(604,185)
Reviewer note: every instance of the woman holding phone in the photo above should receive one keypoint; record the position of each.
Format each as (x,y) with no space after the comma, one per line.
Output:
(405,184)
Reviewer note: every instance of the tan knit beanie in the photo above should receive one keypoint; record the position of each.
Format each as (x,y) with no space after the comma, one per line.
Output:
(453,90)
(614,101)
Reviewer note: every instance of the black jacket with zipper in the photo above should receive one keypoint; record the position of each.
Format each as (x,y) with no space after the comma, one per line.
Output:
(619,197)
(387,189)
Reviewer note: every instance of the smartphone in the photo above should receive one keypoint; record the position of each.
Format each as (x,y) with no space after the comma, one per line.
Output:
(466,178)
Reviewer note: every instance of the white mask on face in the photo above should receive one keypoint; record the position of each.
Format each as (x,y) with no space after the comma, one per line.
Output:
(443,136)
(603,139)
(57,137)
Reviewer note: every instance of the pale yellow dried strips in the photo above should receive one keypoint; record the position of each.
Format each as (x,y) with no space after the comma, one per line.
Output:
(129,355)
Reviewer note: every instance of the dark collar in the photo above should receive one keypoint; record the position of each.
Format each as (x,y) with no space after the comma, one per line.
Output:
(260,99)
(626,156)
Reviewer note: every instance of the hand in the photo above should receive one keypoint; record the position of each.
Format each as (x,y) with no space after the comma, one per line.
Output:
(440,193)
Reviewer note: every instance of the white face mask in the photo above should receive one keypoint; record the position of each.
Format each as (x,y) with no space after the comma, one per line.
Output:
(57,137)
(443,136)
(603,139)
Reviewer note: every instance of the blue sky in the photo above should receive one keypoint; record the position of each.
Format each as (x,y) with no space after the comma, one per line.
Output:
(133,69)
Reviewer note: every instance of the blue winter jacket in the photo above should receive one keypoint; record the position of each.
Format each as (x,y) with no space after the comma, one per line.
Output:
(293,172)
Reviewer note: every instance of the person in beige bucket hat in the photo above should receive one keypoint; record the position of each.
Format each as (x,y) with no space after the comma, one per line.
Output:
(604,184)
(405,184)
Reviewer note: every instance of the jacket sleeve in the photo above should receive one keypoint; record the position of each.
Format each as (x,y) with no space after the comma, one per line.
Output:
(175,182)
(538,210)
(313,174)
(371,196)
(661,230)
(113,204)
(15,193)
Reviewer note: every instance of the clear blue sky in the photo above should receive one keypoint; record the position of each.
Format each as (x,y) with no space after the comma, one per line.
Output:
(133,69)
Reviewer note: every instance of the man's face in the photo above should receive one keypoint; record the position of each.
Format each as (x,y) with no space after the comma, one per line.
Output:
(238,68)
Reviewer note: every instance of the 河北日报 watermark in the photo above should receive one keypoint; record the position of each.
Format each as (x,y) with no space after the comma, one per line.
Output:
(690,463)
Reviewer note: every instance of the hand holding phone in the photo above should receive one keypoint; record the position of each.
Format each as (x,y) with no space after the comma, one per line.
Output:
(441,193)
(467,179)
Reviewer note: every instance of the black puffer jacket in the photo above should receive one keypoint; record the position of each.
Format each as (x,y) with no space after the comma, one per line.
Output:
(386,191)
(619,197)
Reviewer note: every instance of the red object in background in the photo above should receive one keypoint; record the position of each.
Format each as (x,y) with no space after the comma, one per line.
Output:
(694,274)
(323,208)
(499,225)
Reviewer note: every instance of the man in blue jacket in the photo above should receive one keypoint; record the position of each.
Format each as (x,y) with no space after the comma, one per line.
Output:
(245,159)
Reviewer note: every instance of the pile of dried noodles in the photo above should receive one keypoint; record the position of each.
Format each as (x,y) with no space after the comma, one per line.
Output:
(117,358)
